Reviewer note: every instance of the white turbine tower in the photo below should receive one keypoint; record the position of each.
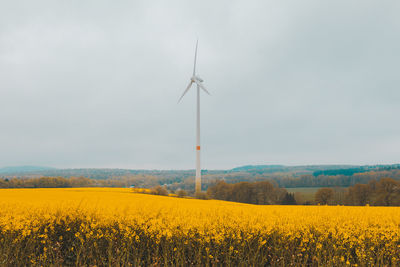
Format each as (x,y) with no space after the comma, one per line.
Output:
(198,81)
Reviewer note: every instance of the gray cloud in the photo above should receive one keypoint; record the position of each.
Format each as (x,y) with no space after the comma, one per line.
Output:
(95,83)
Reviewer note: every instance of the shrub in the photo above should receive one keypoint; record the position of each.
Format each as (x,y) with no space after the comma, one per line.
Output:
(159,190)
(324,196)
(182,193)
(201,195)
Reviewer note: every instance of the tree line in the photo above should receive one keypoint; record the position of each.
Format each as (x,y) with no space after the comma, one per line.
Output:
(284,176)
(286,180)
(339,180)
(46,182)
(262,192)
(61,182)
(385,192)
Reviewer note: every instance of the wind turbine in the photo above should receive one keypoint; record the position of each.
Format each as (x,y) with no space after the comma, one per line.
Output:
(198,81)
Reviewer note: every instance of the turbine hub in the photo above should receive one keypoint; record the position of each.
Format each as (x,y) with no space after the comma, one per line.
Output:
(196,78)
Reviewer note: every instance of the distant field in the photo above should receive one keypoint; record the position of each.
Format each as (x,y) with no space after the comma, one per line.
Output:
(305,190)
(307,193)
(309,190)
(115,227)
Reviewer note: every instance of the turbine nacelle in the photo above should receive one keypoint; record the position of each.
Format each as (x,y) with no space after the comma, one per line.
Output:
(196,79)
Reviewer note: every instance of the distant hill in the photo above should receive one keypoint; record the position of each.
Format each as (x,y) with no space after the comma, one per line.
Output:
(290,169)
(282,175)
(107,173)
(252,170)
(354,170)
(95,173)
(257,167)
(23,169)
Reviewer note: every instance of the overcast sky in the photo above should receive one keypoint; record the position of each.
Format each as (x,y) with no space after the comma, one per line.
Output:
(96,83)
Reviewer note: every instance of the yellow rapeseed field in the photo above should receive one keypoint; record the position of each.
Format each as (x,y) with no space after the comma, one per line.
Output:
(104,226)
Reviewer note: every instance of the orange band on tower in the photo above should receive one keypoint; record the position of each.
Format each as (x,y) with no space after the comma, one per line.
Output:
(198,147)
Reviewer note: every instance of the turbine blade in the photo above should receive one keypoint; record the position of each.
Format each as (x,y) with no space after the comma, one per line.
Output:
(186,90)
(202,87)
(195,58)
